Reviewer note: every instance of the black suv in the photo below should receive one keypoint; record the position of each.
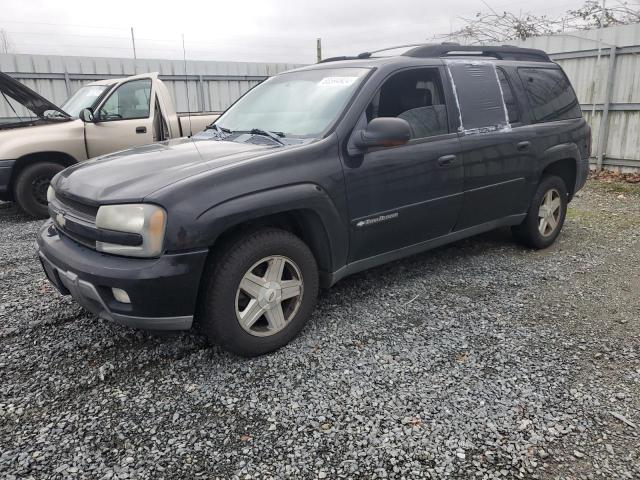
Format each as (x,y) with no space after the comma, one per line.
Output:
(313,175)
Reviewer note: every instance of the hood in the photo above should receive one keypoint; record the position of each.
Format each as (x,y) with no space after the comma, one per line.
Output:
(27,97)
(131,175)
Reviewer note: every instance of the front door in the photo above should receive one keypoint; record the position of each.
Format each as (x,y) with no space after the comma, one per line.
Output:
(123,120)
(401,196)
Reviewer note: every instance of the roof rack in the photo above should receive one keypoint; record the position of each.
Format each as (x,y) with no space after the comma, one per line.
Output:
(452,49)
(504,52)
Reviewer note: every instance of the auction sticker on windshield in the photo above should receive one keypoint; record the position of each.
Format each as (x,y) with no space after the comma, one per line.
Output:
(337,81)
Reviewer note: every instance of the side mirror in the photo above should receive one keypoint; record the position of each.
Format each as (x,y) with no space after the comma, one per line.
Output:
(86,115)
(383,132)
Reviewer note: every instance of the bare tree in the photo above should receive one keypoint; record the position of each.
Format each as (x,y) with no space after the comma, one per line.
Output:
(496,27)
(5,42)
(500,27)
(593,15)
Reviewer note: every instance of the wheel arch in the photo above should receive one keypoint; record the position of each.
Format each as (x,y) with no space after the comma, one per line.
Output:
(562,160)
(305,210)
(29,159)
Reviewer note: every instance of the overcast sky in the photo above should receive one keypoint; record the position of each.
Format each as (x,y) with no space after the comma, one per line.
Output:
(240,30)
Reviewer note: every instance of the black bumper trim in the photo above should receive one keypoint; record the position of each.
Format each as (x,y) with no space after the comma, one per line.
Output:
(6,169)
(163,290)
(86,294)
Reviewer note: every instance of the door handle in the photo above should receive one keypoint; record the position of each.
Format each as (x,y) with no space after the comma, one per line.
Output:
(522,146)
(446,160)
(141,129)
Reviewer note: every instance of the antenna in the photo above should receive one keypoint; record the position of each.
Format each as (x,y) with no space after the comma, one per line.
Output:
(186,80)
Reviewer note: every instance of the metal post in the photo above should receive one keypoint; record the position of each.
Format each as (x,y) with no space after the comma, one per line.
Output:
(67,82)
(603,135)
(133,42)
(202,98)
(319,49)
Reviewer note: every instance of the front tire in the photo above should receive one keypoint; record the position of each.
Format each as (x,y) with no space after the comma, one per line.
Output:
(258,293)
(546,214)
(30,190)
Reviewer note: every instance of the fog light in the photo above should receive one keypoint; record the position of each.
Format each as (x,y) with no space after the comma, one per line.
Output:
(120,295)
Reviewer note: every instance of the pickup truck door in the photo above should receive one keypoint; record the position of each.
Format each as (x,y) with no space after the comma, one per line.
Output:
(496,150)
(403,195)
(124,119)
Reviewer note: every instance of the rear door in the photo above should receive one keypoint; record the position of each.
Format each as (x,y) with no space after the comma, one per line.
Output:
(496,150)
(124,119)
(401,196)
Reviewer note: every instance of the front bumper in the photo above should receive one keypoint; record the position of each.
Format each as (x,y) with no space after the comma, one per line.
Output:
(163,291)
(6,168)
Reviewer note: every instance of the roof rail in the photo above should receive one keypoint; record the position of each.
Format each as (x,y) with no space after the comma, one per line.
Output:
(504,52)
(337,59)
(368,54)
(453,49)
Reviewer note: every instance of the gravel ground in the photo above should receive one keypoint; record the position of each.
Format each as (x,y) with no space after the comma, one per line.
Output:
(477,360)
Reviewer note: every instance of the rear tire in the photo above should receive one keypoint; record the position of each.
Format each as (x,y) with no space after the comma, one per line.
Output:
(243,307)
(546,214)
(30,188)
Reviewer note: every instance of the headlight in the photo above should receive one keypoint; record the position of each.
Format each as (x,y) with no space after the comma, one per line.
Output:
(148,221)
(51,194)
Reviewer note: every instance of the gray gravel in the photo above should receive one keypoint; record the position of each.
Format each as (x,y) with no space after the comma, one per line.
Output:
(476,360)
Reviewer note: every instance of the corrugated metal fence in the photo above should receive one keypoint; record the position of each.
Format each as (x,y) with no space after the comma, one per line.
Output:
(211,86)
(604,68)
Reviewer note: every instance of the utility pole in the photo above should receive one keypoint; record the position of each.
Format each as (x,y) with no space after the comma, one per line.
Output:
(133,42)
(319,49)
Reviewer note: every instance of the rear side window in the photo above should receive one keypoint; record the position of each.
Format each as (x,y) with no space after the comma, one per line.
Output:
(509,98)
(550,94)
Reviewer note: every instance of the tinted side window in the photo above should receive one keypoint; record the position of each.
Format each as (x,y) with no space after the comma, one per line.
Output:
(509,98)
(415,96)
(550,94)
(129,100)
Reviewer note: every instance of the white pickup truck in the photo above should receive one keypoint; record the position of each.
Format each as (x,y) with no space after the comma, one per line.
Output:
(100,118)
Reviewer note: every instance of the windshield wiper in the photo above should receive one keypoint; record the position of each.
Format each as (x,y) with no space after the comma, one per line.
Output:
(218,128)
(266,133)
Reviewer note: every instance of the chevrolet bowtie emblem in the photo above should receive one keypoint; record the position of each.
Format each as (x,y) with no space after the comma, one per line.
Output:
(60,220)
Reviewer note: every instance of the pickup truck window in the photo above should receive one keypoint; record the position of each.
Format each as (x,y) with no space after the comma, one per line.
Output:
(129,101)
(300,104)
(510,101)
(550,94)
(415,96)
(86,97)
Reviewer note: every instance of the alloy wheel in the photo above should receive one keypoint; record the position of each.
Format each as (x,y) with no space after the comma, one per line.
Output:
(269,296)
(549,212)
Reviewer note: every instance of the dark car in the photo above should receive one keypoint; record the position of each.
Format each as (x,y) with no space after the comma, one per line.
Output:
(313,175)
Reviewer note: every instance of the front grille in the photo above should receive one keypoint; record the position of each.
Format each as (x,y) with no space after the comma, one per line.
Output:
(77,221)
(77,237)
(75,208)
(74,219)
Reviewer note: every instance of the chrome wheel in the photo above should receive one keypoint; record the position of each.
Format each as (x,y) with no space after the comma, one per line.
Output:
(269,296)
(549,212)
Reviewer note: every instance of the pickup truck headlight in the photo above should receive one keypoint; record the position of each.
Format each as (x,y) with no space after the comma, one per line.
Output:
(148,221)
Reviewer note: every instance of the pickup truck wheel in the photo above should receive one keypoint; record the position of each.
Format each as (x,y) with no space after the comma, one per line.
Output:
(546,214)
(30,190)
(259,292)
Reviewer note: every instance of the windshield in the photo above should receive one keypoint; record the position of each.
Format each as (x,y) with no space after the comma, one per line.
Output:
(299,104)
(83,98)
